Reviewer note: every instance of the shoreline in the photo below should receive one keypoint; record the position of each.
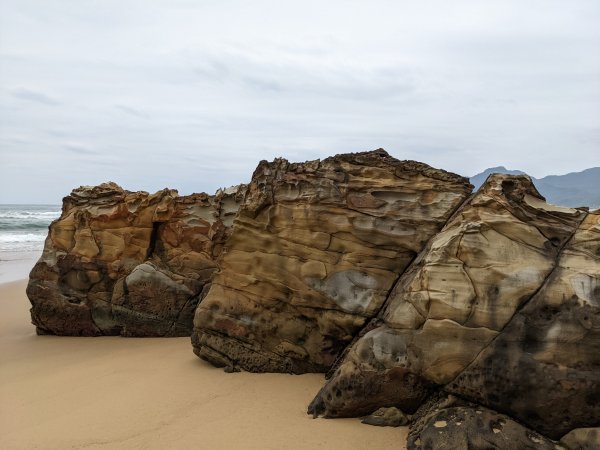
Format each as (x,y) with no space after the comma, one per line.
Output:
(15,266)
(152,393)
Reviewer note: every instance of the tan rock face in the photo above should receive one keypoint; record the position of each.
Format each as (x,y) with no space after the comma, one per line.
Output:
(544,366)
(313,254)
(130,263)
(454,302)
(582,439)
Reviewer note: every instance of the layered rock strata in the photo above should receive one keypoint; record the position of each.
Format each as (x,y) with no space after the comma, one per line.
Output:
(502,308)
(314,251)
(128,263)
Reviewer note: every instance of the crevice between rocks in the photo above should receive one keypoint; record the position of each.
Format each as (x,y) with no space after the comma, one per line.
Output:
(153,239)
(375,321)
(526,302)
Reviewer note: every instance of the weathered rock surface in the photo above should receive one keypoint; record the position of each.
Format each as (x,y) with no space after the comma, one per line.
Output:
(129,263)
(501,308)
(474,428)
(415,295)
(387,417)
(447,422)
(544,367)
(315,249)
(582,439)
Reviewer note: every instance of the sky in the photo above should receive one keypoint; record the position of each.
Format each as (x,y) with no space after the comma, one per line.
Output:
(192,94)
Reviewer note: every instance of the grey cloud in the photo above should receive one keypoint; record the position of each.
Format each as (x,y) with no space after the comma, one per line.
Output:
(262,84)
(79,149)
(212,69)
(193,96)
(132,111)
(34,96)
(320,79)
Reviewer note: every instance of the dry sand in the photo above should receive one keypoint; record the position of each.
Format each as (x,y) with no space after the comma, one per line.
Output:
(118,393)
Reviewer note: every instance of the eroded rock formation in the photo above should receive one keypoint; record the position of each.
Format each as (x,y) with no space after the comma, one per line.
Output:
(478,313)
(544,367)
(502,308)
(314,251)
(129,263)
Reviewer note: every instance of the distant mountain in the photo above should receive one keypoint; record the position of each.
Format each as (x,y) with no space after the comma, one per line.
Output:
(572,189)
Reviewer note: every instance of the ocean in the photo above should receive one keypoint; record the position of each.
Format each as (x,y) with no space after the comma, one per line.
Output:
(23,229)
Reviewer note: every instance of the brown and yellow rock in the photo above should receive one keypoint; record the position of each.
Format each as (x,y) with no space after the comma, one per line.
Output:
(129,263)
(582,439)
(456,299)
(495,299)
(313,254)
(544,366)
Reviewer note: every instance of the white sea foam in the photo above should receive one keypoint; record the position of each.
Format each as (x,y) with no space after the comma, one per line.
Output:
(33,215)
(29,237)
(23,228)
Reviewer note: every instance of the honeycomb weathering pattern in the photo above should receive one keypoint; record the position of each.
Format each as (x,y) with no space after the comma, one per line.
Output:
(314,251)
(128,263)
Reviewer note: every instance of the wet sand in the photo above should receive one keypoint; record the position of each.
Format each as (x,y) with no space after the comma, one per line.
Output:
(151,393)
(16,265)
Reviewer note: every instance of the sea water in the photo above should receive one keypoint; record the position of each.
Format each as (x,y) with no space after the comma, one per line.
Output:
(23,229)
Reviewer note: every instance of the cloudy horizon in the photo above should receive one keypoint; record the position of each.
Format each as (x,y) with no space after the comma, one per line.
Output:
(191,95)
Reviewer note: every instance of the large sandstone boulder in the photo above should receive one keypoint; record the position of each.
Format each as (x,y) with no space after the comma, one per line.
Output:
(502,308)
(129,263)
(314,252)
(544,366)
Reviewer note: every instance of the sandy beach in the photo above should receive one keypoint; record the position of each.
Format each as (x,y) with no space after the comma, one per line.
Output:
(134,393)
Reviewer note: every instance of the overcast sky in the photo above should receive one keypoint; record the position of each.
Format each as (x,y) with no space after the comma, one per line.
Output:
(192,94)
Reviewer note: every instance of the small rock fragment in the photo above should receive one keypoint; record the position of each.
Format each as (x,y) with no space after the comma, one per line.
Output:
(387,417)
